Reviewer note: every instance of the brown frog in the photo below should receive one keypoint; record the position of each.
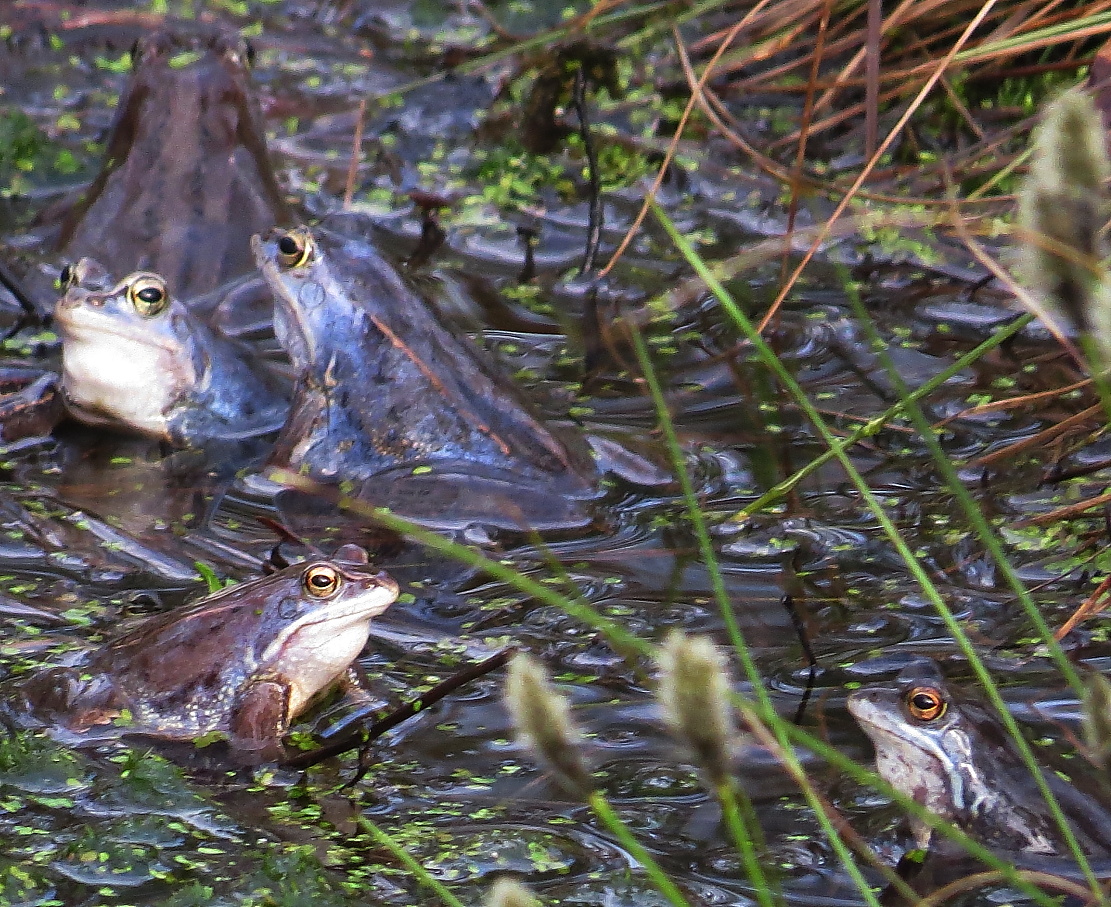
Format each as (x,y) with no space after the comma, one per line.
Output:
(951,754)
(186,179)
(244,662)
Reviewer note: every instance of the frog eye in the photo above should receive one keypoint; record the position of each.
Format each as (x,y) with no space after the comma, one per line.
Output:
(320,580)
(148,294)
(295,249)
(925,703)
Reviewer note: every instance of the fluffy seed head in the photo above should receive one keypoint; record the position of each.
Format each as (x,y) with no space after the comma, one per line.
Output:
(1097,720)
(694,696)
(1062,209)
(510,893)
(543,720)
(1069,151)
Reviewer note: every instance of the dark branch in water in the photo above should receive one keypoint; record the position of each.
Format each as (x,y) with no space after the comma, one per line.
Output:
(360,737)
(788,602)
(594,224)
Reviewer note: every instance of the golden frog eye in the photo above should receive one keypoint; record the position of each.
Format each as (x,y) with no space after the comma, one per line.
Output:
(925,703)
(320,580)
(295,249)
(148,294)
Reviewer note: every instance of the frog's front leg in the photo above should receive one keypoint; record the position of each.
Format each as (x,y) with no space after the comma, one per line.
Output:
(259,722)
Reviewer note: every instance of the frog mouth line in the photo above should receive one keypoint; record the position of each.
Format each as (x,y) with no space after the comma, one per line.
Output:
(872,716)
(100,325)
(342,616)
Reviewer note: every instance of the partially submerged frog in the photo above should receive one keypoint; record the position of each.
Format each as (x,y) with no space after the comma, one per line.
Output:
(134,357)
(953,756)
(244,662)
(186,179)
(390,397)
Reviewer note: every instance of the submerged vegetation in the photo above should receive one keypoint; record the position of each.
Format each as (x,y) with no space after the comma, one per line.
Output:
(779,239)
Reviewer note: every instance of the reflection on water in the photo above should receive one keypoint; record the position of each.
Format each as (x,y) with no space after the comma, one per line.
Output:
(90,520)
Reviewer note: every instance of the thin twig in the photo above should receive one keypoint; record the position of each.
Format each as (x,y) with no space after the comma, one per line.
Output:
(1091,606)
(597,212)
(995,877)
(356,153)
(938,72)
(361,736)
(873,34)
(680,126)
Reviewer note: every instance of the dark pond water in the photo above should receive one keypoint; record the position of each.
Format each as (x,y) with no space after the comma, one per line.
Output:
(98,528)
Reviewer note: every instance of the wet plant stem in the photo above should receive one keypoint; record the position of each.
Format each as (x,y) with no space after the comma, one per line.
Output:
(744,829)
(633,646)
(1097,368)
(405,859)
(595,219)
(609,818)
(782,374)
(620,638)
(873,426)
(991,542)
(717,582)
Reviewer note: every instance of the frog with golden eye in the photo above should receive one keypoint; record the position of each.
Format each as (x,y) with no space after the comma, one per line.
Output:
(243,663)
(951,754)
(186,178)
(135,358)
(185,181)
(417,417)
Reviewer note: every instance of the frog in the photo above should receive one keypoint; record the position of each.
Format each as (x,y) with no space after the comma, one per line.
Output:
(408,411)
(951,754)
(242,663)
(135,358)
(186,179)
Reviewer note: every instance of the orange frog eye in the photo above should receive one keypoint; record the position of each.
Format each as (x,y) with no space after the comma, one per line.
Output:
(925,703)
(320,580)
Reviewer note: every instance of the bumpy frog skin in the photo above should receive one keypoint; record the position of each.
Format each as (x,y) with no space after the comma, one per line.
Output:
(186,179)
(135,358)
(387,395)
(244,662)
(954,757)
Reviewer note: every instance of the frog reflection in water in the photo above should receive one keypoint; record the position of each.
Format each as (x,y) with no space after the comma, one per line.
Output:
(953,756)
(137,359)
(389,396)
(186,178)
(245,661)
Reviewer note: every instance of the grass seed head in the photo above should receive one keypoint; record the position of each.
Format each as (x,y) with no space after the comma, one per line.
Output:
(694,693)
(1069,151)
(1097,720)
(543,720)
(510,893)
(1062,209)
